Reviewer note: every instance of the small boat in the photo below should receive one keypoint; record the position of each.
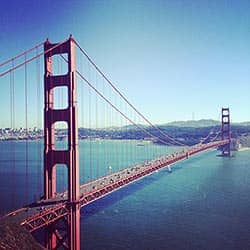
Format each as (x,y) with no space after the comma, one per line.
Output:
(169,169)
(140,143)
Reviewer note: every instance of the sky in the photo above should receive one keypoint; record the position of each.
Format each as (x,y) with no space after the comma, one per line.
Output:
(174,60)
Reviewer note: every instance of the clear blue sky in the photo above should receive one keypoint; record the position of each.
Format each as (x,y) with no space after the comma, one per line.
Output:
(172,59)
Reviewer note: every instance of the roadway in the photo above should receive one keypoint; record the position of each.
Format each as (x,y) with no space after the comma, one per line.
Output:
(44,212)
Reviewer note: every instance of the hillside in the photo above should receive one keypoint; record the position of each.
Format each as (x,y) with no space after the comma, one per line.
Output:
(194,123)
(186,132)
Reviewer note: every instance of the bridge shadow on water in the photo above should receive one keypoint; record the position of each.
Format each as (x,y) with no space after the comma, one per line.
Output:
(128,190)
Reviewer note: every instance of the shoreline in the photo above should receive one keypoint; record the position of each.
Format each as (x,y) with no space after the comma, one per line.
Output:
(244,149)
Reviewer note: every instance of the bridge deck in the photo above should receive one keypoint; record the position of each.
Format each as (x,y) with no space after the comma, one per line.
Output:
(45,212)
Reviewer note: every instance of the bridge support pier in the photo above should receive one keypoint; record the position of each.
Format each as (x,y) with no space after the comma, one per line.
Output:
(74,226)
(50,237)
(53,156)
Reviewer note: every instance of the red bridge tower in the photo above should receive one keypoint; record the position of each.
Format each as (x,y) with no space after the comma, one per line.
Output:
(225,131)
(53,156)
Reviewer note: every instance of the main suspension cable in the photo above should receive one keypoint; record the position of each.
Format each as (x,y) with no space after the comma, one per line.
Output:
(125,99)
(31,59)
(21,54)
(115,108)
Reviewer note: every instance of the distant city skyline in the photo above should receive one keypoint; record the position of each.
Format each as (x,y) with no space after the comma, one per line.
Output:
(174,60)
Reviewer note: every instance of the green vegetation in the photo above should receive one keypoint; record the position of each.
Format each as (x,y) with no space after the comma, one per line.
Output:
(13,236)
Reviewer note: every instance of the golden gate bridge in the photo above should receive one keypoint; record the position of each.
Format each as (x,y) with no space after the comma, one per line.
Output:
(59,210)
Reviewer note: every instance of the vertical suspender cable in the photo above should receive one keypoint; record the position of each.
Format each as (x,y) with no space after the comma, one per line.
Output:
(97,142)
(13,120)
(82,156)
(104,126)
(121,147)
(83,134)
(26,128)
(126,124)
(11,141)
(12,144)
(116,124)
(130,138)
(111,156)
(39,151)
(90,135)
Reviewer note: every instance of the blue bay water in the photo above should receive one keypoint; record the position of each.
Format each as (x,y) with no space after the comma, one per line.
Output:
(203,204)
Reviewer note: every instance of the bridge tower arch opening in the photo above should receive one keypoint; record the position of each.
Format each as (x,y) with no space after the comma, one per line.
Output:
(225,131)
(68,156)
